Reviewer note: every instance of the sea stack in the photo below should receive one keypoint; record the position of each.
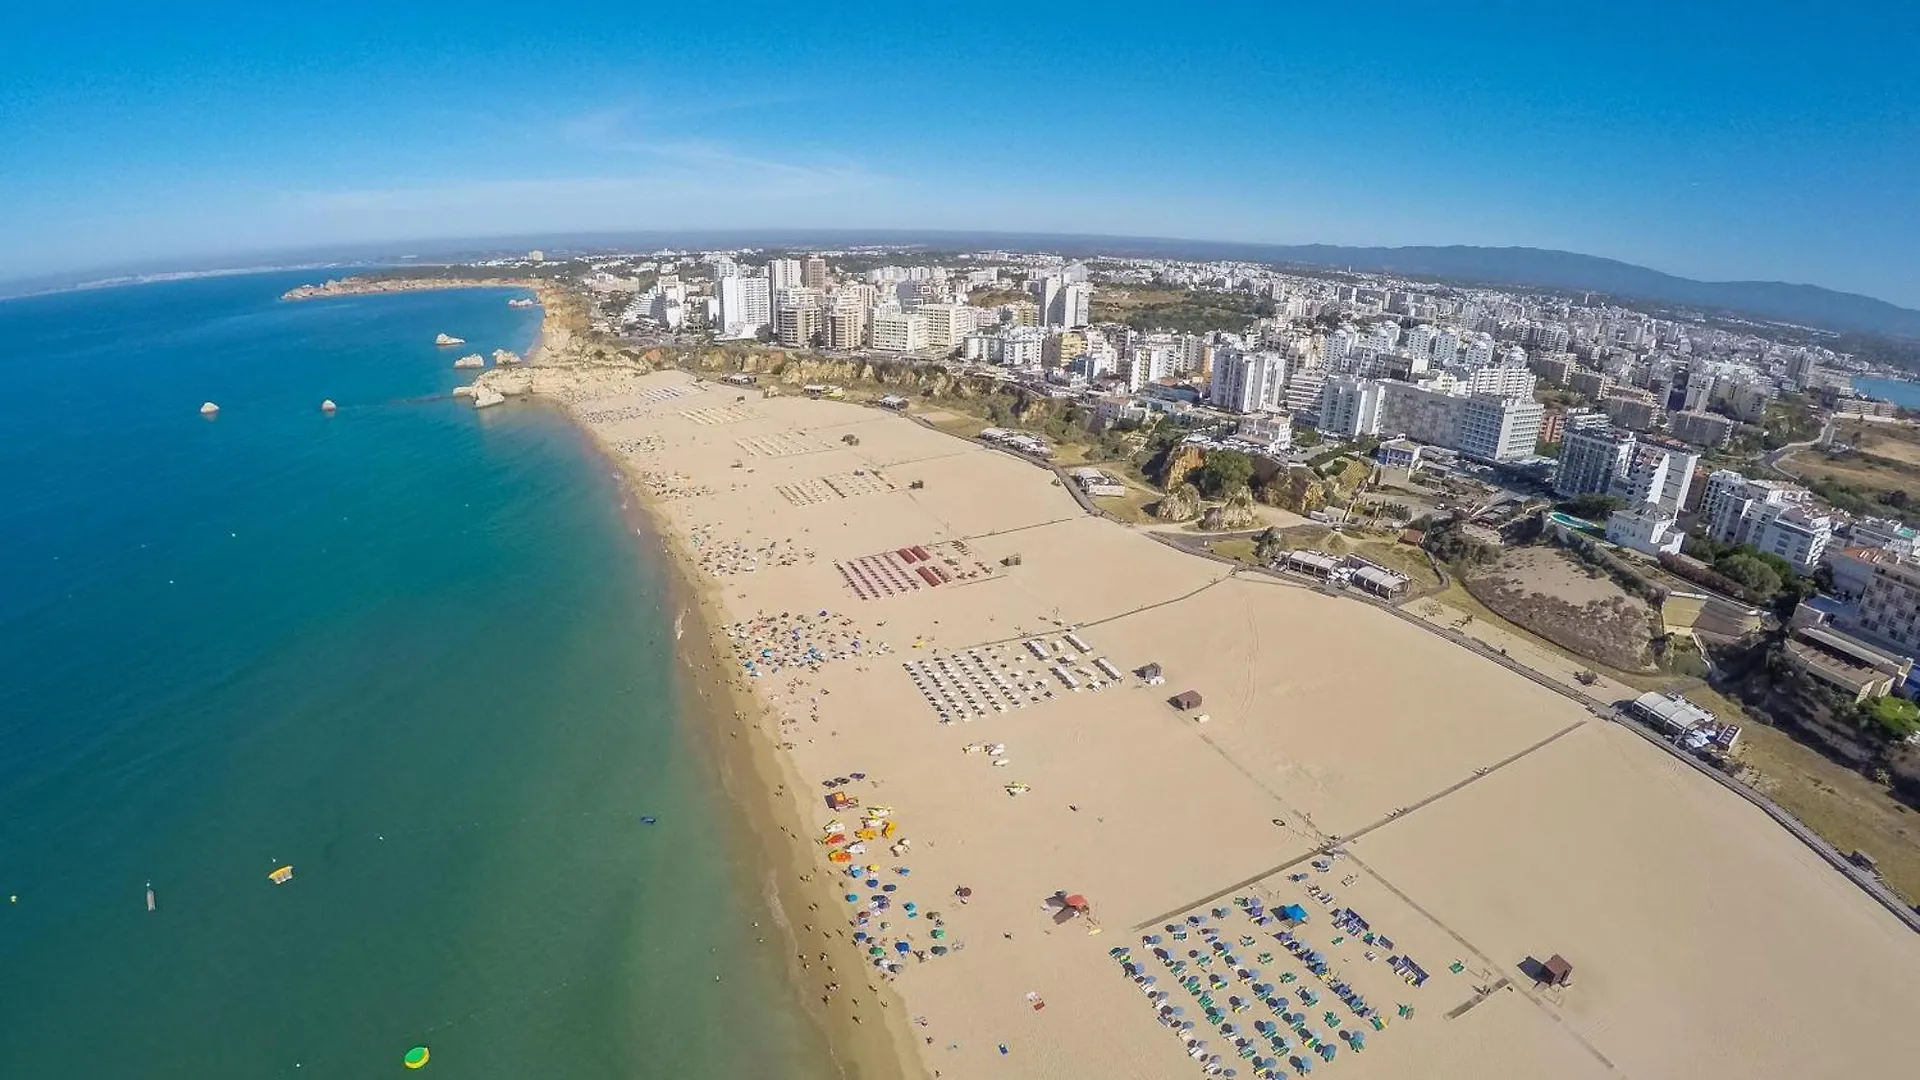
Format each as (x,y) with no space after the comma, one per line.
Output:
(505,356)
(209,409)
(471,360)
(328,406)
(484,396)
(445,340)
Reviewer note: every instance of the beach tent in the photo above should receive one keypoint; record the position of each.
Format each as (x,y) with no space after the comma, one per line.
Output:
(1556,971)
(1294,913)
(1076,902)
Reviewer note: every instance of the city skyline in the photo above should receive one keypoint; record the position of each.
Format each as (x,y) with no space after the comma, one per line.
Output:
(207,133)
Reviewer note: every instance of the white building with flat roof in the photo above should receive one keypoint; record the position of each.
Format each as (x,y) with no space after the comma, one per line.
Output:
(1351,407)
(898,331)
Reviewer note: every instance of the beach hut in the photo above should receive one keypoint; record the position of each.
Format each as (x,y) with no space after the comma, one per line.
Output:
(1293,913)
(1185,699)
(1556,971)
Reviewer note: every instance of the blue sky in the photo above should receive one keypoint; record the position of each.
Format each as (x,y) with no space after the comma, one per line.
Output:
(1722,141)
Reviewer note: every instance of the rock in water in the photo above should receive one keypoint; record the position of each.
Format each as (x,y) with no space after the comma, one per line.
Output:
(484,396)
(505,356)
(328,406)
(209,409)
(471,360)
(448,339)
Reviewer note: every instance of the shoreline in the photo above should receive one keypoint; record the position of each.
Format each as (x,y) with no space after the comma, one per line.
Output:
(759,783)
(761,787)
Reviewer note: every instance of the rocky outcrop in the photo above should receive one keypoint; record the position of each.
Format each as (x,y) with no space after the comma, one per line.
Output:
(1235,513)
(471,360)
(505,356)
(484,397)
(328,406)
(445,340)
(209,409)
(1181,461)
(1182,503)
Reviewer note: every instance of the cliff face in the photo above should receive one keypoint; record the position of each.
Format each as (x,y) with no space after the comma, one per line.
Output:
(1181,504)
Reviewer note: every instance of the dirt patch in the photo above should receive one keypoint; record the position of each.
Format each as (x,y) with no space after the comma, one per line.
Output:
(1561,599)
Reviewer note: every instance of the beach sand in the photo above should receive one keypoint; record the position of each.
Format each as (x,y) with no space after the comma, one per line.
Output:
(1488,822)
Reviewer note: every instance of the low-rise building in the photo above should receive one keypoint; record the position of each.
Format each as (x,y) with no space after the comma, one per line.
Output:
(1646,529)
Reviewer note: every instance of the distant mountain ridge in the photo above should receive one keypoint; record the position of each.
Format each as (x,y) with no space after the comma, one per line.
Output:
(1809,305)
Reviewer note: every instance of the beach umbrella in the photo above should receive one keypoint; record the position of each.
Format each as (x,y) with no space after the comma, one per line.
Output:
(902,947)
(938,934)
(889,887)
(853,898)
(416,1058)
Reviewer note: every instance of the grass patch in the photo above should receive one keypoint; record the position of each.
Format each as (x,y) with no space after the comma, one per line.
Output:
(1239,548)
(1846,809)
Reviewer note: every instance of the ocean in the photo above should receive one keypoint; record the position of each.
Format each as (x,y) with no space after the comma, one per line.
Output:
(414,651)
(1900,392)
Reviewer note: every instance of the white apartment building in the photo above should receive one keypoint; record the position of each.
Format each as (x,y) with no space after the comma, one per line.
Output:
(785,273)
(1479,350)
(1655,474)
(1889,608)
(846,326)
(1888,534)
(1248,382)
(1419,341)
(1497,429)
(1351,407)
(797,323)
(1732,503)
(746,306)
(899,331)
(1446,347)
(1796,533)
(1501,382)
(948,324)
(1336,348)
(1383,336)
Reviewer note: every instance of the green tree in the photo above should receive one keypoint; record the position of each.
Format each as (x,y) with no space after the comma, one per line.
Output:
(1750,573)
(1889,717)
(1223,471)
(1592,506)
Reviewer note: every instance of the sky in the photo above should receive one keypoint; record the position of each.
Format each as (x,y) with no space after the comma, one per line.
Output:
(1713,140)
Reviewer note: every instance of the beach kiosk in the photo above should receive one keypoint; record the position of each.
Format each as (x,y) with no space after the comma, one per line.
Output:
(1556,971)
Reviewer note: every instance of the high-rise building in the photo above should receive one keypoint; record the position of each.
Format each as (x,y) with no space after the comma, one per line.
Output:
(1479,350)
(1493,428)
(1657,473)
(948,324)
(797,323)
(745,306)
(1889,609)
(1501,382)
(1589,460)
(1350,407)
(901,331)
(784,273)
(813,273)
(1248,382)
(1734,505)
(846,326)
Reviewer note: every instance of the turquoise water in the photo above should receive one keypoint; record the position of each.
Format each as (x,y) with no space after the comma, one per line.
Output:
(1904,394)
(411,649)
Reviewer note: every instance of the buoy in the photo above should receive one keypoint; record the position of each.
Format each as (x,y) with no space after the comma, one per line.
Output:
(328,406)
(416,1058)
(209,409)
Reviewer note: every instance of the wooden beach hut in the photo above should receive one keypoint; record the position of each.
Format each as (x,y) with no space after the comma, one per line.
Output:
(1556,971)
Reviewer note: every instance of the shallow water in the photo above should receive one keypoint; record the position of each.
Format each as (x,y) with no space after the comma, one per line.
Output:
(411,650)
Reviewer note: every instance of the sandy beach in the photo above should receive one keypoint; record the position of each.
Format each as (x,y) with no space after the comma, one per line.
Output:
(922,665)
(1488,824)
